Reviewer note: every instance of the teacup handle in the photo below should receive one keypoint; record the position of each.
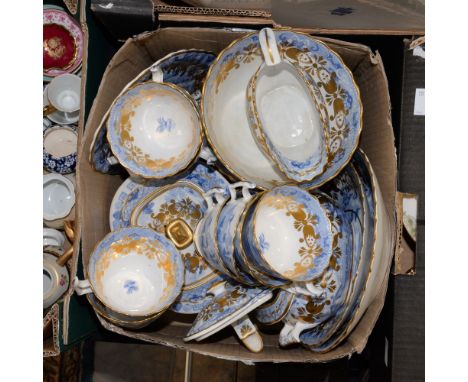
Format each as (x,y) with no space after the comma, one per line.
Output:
(218,195)
(82,286)
(157,74)
(246,195)
(267,40)
(207,155)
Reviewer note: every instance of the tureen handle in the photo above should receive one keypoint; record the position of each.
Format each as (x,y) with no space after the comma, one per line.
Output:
(218,195)
(156,73)
(245,190)
(248,334)
(267,40)
(81,286)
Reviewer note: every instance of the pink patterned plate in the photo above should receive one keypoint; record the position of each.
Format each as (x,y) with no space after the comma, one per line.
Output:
(62,43)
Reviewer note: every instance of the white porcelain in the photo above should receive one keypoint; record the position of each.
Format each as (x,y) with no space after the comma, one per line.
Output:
(64,93)
(58,196)
(205,233)
(134,271)
(285,116)
(154,129)
(226,223)
(55,278)
(58,116)
(230,306)
(287,234)
(52,237)
(225,113)
(60,141)
(378,251)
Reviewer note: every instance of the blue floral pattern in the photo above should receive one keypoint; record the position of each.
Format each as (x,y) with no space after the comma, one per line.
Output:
(62,165)
(186,69)
(131,286)
(164,124)
(264,246)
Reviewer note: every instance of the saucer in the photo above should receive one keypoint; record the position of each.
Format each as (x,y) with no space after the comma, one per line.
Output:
(347,195)
(168,202)
(62,43)
(58,117)
(236,302)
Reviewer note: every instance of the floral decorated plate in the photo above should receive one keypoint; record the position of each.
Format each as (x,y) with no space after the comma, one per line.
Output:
(157,204)
(62,43)
(225,309)
(378,244)
(185,68)
(347,195)
(225,114)
(327,293)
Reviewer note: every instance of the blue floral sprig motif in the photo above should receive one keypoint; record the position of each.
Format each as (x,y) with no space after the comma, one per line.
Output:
(131,286)
(164,125)
(264,245)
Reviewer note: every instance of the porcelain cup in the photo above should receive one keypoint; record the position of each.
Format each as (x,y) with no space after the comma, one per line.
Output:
(287,234)
(59,149)
(154,129)
(63,94)
(136,272)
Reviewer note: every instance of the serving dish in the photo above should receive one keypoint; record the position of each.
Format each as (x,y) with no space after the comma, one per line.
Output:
(284,114)
(225,116)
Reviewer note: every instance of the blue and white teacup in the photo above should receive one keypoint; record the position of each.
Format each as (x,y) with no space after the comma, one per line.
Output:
(135,272)
(59,148)
(205,233)
(287,234)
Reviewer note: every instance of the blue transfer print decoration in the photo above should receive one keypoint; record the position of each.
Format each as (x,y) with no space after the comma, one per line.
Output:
(264,246)
(164,125)
(131,286)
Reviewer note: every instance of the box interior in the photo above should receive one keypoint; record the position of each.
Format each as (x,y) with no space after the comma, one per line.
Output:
(95,190)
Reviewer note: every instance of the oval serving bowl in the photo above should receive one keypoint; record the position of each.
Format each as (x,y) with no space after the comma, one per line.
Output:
(136,272)
(59,149)
(224,108)
(62,43)
(154,130)
(285,115)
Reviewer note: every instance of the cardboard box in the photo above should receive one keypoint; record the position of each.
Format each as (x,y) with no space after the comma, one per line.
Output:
(95,190)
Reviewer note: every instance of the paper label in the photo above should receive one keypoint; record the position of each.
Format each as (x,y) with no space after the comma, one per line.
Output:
(419,103)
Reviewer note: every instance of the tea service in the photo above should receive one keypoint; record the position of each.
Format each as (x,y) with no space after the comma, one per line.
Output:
(248,203)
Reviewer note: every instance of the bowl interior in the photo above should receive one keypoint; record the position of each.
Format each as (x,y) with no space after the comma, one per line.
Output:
(288,115)
(136,271)
(58,198)
(60,142)
(156,127)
